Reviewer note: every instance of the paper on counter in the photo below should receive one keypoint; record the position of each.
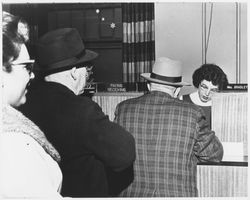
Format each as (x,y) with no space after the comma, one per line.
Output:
(233,151)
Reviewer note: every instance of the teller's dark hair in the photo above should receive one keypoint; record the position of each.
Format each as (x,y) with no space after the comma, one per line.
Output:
(210,72)
(15,33)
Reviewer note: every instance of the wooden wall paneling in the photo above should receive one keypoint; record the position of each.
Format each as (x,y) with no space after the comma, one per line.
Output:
(83,16)
(106,18)
(91,25)
(107,66)
(64,19)
(118,34)
(78,21)
(52,21)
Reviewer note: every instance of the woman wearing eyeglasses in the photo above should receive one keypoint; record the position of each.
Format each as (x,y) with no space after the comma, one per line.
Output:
(28,162)
(208,79)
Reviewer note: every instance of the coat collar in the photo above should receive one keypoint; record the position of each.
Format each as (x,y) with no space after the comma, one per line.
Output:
(15,122)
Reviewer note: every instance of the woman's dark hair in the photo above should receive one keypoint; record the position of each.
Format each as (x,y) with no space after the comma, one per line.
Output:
(210,72)
(15,33)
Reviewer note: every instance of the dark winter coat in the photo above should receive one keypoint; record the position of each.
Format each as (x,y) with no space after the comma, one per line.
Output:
(87,141)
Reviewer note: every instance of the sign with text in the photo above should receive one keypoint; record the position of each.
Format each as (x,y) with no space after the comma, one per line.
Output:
(235,87)
(116,87)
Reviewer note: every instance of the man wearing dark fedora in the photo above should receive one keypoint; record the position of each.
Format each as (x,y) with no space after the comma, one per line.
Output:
(88,142)
(171,136)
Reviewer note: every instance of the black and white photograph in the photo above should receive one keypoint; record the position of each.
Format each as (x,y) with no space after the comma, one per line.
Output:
(124,99)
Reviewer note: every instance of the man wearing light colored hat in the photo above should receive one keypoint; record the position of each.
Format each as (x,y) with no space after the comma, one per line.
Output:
(171,136)
(87,141)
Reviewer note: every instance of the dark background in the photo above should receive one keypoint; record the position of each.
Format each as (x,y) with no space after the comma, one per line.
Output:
(93,26)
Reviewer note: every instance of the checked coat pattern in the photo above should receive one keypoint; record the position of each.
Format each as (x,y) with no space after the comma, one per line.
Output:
(171,137)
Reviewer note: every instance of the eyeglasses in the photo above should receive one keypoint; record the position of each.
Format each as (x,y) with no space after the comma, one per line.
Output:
(89,71)
(205,88)
(28,66)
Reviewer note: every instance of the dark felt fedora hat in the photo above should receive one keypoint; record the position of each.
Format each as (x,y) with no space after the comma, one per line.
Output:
(60,49)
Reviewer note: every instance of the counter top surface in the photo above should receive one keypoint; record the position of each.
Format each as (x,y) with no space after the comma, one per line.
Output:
(233,161)
(118,93)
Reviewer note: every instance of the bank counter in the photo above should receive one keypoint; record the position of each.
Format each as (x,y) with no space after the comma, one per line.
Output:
(229,178)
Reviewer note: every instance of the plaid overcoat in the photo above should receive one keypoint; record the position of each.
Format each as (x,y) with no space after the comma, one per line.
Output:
(171,137)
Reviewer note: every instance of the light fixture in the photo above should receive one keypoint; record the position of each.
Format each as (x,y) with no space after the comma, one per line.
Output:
(112,25)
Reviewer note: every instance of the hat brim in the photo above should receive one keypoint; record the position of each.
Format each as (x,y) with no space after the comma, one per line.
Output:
(147,77)
(66,64)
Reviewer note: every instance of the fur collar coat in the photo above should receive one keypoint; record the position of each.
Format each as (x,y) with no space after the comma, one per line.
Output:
(15,122)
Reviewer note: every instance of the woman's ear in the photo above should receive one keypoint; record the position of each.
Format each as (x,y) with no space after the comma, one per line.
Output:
(73,73)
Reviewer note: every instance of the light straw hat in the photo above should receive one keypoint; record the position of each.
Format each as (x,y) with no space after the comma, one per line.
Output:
(166,71)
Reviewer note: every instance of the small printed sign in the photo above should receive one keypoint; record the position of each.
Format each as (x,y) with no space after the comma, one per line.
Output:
(116,87)
(241,87)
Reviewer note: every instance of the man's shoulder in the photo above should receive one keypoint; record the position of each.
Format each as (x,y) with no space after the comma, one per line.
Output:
(188,106)
(55,94)
(42,89)
(132,101)
(85,101)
